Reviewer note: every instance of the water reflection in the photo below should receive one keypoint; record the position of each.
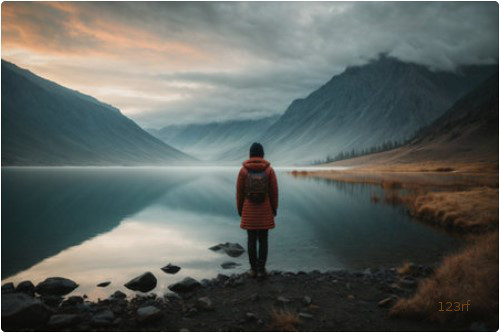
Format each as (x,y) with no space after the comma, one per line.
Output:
(97,224)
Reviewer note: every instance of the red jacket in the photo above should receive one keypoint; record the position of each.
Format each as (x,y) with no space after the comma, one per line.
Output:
(257,215)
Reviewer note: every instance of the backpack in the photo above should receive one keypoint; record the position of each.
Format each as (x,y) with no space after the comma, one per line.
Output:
(257,186)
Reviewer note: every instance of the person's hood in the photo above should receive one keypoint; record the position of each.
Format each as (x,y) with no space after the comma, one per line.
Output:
(256,164)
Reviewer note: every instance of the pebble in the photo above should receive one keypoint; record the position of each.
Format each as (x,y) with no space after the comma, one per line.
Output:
(305,315)
(104,284)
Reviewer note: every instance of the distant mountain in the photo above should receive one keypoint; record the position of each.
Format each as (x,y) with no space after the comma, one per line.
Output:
(466,133)
(44,123)
(214,141)
(384,100)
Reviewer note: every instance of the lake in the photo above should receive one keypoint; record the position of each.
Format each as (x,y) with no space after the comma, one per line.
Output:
(98,224)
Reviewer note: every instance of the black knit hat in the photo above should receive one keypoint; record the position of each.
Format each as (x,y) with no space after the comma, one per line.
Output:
(256,150)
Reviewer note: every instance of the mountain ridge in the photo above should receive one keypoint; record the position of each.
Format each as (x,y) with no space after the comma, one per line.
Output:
(44,123)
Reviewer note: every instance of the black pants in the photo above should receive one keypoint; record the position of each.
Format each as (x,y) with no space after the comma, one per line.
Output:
(257,261)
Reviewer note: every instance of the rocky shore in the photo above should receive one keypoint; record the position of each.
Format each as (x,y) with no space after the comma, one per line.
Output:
(312,301)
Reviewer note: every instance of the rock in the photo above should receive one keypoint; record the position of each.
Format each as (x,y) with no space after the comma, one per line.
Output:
(254,297)
(103,318)
(172,296)
(386,302)
(52,300)
(238,282)
(250,316)
(351,296)
(26,287)
(307,300)
(348,286)
(231,249)
(148,313)
(104,284)
(58,321)
(229,265)
(171,269)
(144,283)
(222,277)
(56,286)
(367,272)
(117,295)
(408,282)
(186,285)
(305,315)
(22,311)
(204,303)
(206,283)
(282,300)
(73,300)
(8,288)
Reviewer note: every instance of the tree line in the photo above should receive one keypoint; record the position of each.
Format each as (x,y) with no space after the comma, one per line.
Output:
(344,155)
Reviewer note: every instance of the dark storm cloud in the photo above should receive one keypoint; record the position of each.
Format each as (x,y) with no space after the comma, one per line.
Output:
(200,61)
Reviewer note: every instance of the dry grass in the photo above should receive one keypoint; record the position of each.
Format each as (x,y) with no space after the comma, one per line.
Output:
(283,320)
(471,275)
(464,202)
(472,210)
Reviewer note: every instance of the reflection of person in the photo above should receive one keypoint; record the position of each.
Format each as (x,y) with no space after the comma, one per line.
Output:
(257,203)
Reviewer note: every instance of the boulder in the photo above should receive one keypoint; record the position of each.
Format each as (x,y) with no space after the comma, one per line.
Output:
(26,287)
(186,285)
(231,249)
(148,313)
(171,269)
(104,284)
(56,286)
(144,283)
(58,321)
(229,264)
(22,311)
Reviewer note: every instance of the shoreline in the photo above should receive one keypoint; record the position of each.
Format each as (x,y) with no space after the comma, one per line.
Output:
(312,301)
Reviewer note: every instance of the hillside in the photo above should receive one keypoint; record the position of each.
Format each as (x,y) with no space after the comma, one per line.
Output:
(216,140)
(44,123)
(384,100)
(466,133)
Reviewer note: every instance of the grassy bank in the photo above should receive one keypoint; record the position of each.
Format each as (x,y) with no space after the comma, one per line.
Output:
(463,201)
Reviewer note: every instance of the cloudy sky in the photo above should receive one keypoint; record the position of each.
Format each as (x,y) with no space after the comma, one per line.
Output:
(178,62)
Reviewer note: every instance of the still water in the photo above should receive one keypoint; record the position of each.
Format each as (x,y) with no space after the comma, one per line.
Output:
(99,224)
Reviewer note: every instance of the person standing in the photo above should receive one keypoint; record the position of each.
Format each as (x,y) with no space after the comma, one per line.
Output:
(257,203)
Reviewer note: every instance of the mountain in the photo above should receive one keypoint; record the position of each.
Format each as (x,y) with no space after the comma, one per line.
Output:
(468,130)
(44,123)
(214,141)
(466,133)
(384,100)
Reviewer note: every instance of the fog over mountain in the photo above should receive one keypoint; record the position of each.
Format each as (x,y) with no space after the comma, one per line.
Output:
(165,63)
(44,123)
(385,100)
(212,141)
